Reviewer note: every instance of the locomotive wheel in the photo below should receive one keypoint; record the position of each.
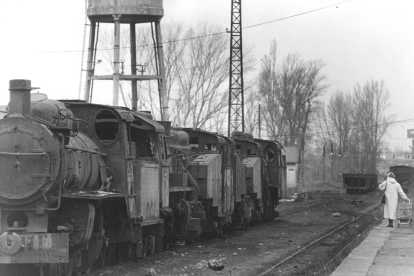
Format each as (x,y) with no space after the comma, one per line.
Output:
(238,222)
(210,228)
(91,254)
(149,247)
(237,219)
(64,269)
(144,248)
(255,218)
(220,229)
(159,241)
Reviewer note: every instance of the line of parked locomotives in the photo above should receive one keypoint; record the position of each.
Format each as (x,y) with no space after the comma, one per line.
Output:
(83,183)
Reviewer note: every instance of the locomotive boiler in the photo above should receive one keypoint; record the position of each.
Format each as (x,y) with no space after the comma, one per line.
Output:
(84,184)
(78,181)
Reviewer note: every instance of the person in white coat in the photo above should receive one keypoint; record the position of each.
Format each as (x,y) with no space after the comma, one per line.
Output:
(392,190)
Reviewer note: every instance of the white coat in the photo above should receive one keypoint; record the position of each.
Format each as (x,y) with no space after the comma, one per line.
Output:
(393,190)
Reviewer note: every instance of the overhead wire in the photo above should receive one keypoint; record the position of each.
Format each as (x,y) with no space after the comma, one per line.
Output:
(309,135)
(257,25)
(212,34)
(296,15)
(253,26)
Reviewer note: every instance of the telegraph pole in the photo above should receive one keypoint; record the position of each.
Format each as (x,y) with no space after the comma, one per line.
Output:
(260,122)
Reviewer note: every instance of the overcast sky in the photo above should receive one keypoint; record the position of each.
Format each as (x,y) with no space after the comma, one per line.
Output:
(358,40)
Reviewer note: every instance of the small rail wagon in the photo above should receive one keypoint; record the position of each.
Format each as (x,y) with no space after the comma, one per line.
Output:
(359,183)
(404,175)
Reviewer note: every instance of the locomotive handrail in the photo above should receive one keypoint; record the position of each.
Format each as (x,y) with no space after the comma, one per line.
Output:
(77,120)
(62,181)
(84,150)
(24,153)
(38,120)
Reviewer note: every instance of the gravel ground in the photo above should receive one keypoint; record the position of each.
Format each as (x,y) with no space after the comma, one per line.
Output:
(260,248)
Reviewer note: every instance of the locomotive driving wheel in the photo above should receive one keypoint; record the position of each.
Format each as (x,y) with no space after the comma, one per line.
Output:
(90,254)
(84,223)
(64,269)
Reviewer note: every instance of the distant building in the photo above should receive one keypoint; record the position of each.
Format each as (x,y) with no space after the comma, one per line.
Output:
(388,155)
(292,176)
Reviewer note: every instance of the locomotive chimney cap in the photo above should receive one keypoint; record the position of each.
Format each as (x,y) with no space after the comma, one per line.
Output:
(19,98)
(21,85)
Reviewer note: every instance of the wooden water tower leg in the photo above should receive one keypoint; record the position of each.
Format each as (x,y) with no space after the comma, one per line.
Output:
(90,65)
(134,89)
(117,55)
(161,83)
(412,149)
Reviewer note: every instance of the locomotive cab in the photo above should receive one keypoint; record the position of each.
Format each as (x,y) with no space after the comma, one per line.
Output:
(273,171)
(136,164)
(242,204)
(212,172)
(249,152)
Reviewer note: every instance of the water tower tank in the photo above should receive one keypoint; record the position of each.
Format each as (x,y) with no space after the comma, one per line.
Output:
(134,11)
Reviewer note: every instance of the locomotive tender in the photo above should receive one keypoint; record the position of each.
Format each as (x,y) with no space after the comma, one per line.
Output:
(82,183)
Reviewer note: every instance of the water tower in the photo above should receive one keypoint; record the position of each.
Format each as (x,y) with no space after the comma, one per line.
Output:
(130,12)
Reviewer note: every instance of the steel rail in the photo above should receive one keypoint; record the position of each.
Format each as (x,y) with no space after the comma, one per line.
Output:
(24,153)
(314,242)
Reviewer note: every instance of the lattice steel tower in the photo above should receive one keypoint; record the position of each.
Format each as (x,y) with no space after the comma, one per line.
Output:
(236,97)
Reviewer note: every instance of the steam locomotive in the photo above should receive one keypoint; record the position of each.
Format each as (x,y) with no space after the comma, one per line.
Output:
(84,183)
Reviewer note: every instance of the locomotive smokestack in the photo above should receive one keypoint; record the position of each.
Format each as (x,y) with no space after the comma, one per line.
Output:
(19,98)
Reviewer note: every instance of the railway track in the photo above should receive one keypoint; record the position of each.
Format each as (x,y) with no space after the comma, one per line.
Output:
(274,269)
(301,241)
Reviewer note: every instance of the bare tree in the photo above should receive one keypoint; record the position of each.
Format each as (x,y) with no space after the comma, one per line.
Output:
(290,95)
(174,50)
(369,105)
(251,104)
(334,127)
(339,111)
(301,83)
(269,93)
(204,68)
(354,126)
